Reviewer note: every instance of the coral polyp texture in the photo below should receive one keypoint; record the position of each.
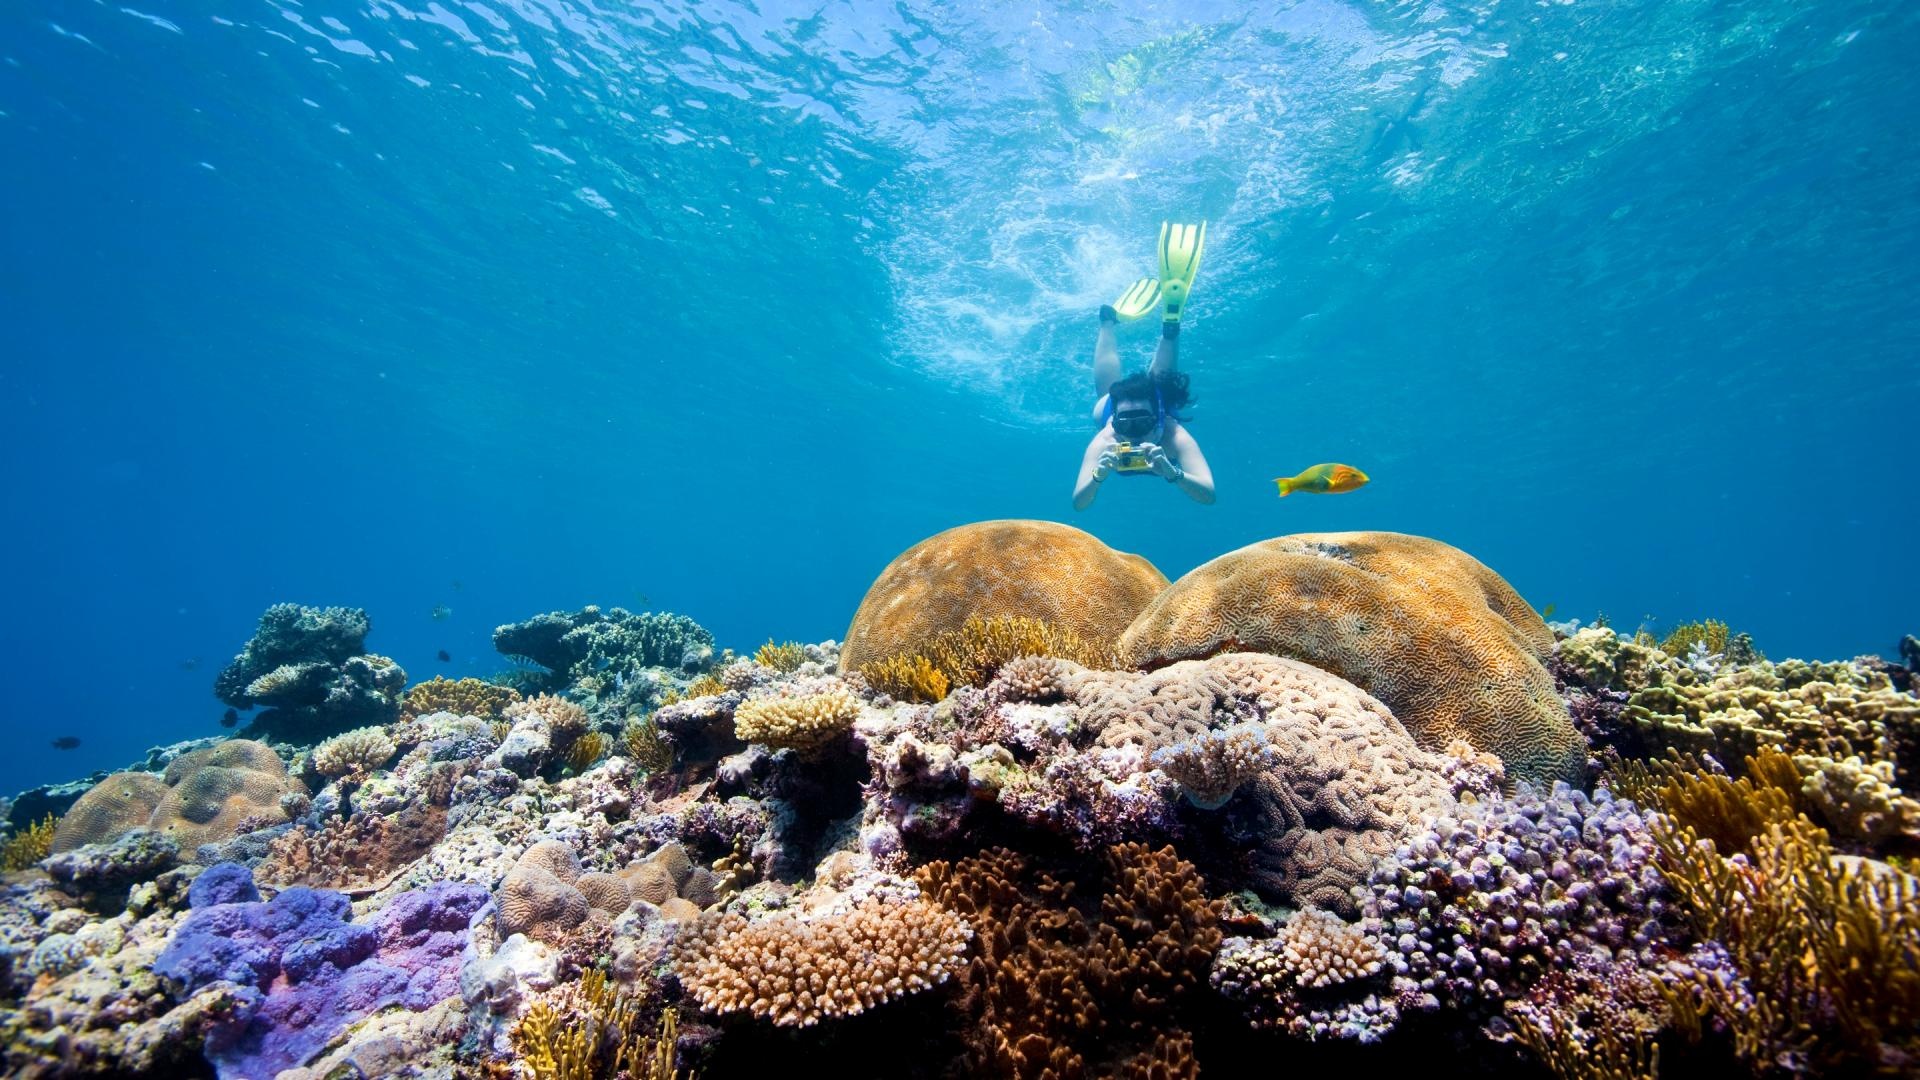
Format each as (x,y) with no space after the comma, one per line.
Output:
(796,972)
(798,723)
(1039,570)
(1422,626)
(205,795)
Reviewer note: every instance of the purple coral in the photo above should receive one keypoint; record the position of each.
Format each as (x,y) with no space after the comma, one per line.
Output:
(304,971)
(1478,907)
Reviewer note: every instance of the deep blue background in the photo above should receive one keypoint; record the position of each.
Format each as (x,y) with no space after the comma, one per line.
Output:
(518,306)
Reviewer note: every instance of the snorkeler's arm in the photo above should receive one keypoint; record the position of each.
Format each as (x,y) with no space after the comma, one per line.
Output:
(1197,480)
(1091,472)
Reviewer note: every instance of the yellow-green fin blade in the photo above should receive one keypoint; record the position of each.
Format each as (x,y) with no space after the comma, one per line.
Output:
(1138,300)
(1180,250)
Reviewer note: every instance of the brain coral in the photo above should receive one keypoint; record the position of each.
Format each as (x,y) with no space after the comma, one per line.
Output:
(1031,569)
(110,808)
(1422,626)
(203,797)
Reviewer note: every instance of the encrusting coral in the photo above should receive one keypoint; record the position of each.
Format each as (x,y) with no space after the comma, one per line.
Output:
(1422,626)
(1038,570)
(796,971)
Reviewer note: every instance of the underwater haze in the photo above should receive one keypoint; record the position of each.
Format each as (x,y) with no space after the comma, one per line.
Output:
(463,311)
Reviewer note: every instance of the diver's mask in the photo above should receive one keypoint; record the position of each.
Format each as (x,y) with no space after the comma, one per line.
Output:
(1133,425)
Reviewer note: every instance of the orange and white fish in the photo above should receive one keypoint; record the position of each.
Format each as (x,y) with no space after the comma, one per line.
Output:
(1329,479)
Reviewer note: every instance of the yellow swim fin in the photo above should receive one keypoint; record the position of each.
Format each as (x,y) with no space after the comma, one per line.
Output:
(1180,248)
(1138,300)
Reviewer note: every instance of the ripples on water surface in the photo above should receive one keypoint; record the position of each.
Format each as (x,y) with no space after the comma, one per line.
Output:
(722,305)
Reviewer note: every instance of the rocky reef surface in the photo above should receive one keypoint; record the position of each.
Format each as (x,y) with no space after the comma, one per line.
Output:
(994,847)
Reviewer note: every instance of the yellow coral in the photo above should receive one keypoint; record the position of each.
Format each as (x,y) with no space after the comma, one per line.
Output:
(642,742)
(800,723)
(1711,633)
(462,697)
(586,750)
(28,846)
(909,678)
(783,657)
(592,1030)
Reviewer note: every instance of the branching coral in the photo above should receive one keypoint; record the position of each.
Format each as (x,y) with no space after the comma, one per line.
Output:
(783,657)
(800,723)
(28,845)
(641,740)
(1053,992)
(908,678)
(1827,947)
(461,697)
(592,1029)
(357,854)
(1298,982)
(1209,768)
(353,753)
(798,971)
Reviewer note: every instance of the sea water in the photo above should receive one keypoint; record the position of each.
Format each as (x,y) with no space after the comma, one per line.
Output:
(463,311)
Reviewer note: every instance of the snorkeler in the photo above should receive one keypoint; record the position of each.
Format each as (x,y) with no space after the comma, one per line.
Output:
(1140,427)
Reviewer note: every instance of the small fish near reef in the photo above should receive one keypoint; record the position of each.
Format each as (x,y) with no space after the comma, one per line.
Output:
(441,612)
(1328,479)
(66,742)
(230,718)
(444,656)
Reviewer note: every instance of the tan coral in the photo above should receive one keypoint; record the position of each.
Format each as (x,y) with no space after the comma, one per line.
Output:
(538,898)
(800,723)
(212,791)
(1322,950)
(462,697)
(354,752)
(1422,626)
(659,877)
(604,892)
(796,972)
(1031,569)
(564,718)
(113,806)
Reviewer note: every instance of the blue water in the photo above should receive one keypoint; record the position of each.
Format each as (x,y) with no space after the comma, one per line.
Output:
(515,306)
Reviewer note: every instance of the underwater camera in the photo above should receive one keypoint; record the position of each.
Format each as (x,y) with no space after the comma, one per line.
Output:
(1129,460)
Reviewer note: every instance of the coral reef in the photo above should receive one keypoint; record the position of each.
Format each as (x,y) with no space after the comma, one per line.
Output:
(28,845)
(353,753)
(797,723)
(307,665)
(1318,979)
(591,1029)
(614,660)
(357,854)
(121,802)
(1020,569)
(796,971)
(1438,637)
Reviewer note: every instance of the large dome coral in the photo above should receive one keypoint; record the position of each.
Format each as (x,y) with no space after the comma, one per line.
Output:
(1028,569)
(1424,627)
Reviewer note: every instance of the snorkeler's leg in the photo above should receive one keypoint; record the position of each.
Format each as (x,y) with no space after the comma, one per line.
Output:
(1166,359)
(1106,358)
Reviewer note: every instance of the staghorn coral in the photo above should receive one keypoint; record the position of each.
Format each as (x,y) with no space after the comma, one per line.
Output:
(907,678)
(1053,992)
(803,723)
(353,753)
(28,845)
(121,802)
(784,657)
(461,697)
(796,971)
(1437,636)
(1027,569)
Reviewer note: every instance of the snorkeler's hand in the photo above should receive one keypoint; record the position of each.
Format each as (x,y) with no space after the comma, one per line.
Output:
(1109,461)
(1157,460)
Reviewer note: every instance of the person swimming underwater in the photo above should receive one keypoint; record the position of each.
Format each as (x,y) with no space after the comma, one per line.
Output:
(1141,431)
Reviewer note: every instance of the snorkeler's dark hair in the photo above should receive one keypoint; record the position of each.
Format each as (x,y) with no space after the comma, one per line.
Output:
(1140,386)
